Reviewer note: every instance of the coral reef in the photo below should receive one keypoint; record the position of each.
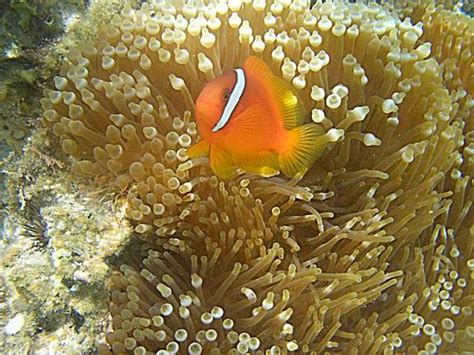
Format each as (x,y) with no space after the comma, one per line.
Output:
(370,252)
(29,55)
(24,29)
(25,65)
(25,24)
(54,250)
(58,233)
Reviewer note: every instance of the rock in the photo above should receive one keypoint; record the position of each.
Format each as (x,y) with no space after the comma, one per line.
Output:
(14,325)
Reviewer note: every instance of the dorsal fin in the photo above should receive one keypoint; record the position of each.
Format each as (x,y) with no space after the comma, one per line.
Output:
(285,98)
(258,66)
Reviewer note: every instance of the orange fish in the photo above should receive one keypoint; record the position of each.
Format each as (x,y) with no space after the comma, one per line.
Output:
(252,121)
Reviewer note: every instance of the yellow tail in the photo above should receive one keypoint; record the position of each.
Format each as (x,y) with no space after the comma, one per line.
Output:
(306,144)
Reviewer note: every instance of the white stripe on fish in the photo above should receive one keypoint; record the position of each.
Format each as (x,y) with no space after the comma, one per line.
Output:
(234,99)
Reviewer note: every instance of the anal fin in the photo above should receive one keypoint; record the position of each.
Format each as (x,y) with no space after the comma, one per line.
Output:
(262,163)
(264,171)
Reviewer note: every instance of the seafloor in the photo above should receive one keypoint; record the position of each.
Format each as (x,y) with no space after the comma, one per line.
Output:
(64,234)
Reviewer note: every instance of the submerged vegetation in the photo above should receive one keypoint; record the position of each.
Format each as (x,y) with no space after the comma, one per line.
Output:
(372,250)
(26,28)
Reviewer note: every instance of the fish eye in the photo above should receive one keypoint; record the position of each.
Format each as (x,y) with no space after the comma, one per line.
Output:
(226,94)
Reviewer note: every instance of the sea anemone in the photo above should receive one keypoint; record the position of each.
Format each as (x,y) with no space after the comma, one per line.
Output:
(371,251)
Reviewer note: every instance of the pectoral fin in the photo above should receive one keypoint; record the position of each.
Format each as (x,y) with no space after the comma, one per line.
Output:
(248,124)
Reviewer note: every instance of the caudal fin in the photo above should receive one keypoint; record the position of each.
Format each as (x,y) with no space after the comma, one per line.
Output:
(306,144)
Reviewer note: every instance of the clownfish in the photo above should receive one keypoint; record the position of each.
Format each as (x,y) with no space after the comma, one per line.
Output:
(252,121)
